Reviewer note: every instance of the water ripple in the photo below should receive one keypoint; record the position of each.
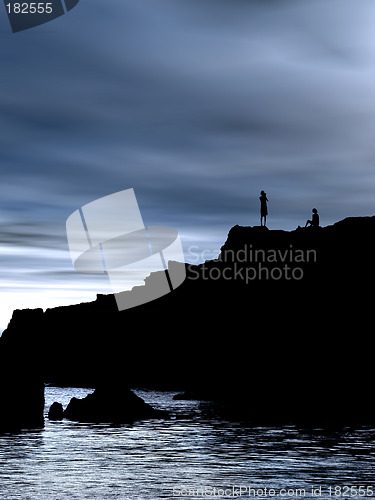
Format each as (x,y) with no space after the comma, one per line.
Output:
(151,459)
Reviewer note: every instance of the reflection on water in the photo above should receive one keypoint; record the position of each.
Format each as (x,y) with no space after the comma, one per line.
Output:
(154,459)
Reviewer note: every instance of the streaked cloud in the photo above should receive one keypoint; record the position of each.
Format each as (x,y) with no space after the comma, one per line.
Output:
(197,105)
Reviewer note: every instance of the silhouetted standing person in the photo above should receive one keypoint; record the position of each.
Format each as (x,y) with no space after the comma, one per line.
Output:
(314,222)
(263,207)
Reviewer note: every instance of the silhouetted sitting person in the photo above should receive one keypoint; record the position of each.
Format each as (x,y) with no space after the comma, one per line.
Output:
(314,222)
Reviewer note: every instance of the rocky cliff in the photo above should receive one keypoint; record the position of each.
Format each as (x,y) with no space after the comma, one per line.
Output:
(21,374)
(278,328)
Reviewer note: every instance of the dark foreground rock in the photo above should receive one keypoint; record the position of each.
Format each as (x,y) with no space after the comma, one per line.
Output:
(111,404)
(22,404)
(56,411)
(21,380)
(276,329)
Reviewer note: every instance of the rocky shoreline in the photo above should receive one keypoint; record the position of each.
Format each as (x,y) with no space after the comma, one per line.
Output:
(276,328)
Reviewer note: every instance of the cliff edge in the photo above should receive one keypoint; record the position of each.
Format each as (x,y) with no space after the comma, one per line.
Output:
(276,329)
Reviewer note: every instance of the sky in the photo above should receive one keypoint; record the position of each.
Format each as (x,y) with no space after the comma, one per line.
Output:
(197,105)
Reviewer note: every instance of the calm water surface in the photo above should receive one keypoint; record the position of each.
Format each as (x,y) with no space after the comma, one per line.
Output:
(191,455)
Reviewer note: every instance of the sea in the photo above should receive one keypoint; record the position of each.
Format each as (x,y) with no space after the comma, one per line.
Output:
(193,454)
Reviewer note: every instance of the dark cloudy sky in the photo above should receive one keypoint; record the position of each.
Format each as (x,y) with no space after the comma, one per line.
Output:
(197,105)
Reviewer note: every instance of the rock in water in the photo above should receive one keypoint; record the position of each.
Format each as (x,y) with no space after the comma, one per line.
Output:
(56,411)
(22,403)
(113,404)
(21,381)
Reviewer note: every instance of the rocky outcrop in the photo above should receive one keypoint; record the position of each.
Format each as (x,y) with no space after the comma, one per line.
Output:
(277,328)
(22,403)
(111,404)
(56,411)
(21,380)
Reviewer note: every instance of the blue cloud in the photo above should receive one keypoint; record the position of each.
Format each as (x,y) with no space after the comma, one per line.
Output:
(197,105)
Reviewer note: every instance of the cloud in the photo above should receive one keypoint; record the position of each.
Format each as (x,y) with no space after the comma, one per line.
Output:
(197,105)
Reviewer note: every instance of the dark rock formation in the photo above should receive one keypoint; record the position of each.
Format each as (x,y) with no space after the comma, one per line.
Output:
(22,402)
(21,381)
(113,404)
(56,411)
(277,329)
